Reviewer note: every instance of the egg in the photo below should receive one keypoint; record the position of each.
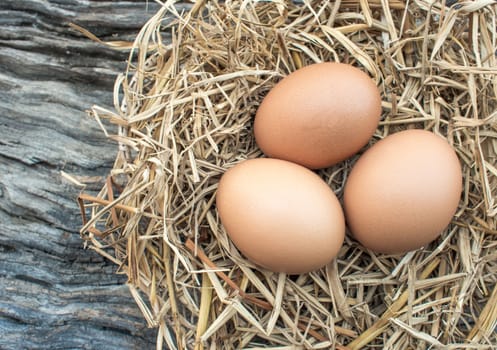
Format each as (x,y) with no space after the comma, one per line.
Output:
(318,115)
(403,192)
(280,215)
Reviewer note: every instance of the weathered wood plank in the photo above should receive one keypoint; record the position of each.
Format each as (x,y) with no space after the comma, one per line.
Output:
(54,294)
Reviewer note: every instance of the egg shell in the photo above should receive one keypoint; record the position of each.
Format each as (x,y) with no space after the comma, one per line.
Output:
(403,192)
(318,115)
(280,215)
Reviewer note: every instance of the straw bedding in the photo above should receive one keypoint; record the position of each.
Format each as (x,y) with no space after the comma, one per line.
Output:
(183,115)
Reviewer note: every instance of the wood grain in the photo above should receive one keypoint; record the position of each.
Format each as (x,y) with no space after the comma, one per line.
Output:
(53,293)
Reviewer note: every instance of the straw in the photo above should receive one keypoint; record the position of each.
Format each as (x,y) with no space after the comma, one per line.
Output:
(183,115)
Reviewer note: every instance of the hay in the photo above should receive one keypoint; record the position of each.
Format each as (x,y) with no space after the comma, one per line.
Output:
(184,112)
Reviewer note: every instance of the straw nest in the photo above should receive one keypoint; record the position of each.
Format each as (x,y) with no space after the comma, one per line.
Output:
(184,110)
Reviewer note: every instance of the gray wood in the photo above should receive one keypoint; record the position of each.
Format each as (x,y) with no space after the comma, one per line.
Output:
(53,293)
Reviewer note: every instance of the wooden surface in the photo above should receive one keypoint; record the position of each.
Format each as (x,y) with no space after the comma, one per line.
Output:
(53,293)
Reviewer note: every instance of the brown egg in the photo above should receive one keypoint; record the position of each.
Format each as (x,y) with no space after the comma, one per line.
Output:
(318,115)
(280,215)
(403,192)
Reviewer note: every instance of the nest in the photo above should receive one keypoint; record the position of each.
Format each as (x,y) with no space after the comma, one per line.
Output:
(183,115)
